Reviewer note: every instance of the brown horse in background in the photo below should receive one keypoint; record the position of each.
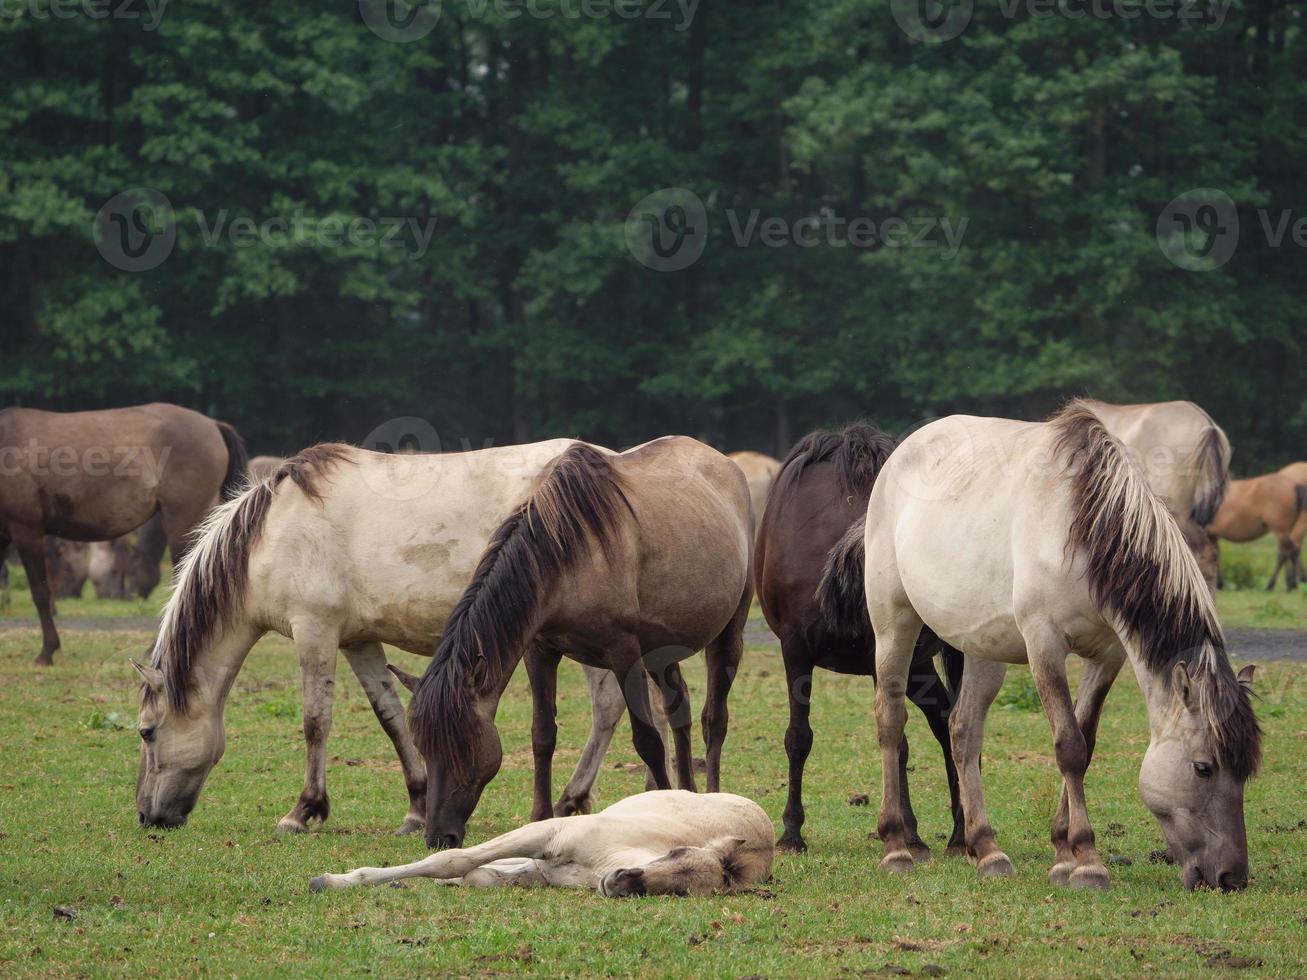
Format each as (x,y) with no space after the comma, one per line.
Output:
(760,470)
(1253,507)
(91,476)
(821,490)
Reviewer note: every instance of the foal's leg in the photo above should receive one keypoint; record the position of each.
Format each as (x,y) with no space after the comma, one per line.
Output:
(1047,651)
(31,549)
(542,670)
(896,636)
(980,685)
(798,738)
(368,661)
(929,693)
(1095,681)
(530,841)
(606,709)
(723,657)
(317,653)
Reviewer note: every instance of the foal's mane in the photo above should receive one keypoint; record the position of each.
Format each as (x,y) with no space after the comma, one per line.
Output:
(857,452)
(576,505)
(211,579)
(1141,571)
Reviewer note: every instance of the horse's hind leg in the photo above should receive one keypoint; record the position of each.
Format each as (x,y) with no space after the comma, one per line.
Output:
(723,657)
(625,661)
(1286,558)
(31,549)
(896,636)
(368,661)
(674,697)
(798,738)
(542,670)
(317,653)
(929,693)
(1095,682)
(980,685)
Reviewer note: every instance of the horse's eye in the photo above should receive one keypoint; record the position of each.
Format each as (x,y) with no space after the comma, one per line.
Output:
(1204,769)
(147,734)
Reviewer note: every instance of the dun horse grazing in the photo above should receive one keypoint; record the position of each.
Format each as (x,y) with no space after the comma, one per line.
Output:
(822,489)
(611,559)
(91,476)
(760,470)
(668,842)
(341,549)
(1253,507)
(1183,455)
(68,564)
(1067,552)
(129,566)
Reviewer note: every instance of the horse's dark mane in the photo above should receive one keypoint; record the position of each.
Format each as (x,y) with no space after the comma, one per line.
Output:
(857,452)
(1141,571)
(213,576)
(576,506)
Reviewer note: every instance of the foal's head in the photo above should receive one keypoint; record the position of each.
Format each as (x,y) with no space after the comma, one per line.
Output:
(721,865)
(1194,771)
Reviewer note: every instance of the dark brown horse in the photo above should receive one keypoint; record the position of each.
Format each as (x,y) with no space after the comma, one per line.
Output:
(628,561)
(91,476)
(821,490)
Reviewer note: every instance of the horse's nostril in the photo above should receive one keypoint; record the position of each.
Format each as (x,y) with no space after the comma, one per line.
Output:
(140,817)
(1232,882)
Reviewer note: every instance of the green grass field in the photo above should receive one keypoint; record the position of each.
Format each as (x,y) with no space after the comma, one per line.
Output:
(225,896)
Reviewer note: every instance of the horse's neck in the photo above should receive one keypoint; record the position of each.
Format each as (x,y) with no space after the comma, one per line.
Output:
(216,671)
(1157,696)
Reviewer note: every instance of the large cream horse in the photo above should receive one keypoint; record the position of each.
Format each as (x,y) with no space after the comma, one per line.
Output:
(630,562)
(1066,551)
(340,549)
(669,842)
(1271,503)
(1182,453)
(92,476)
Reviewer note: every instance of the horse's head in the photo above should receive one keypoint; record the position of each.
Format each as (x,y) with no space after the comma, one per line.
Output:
(718,866)
(178,750)
(1193,787)
(470,756)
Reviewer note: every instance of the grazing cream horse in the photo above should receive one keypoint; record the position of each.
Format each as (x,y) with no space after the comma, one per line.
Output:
(668,842)
(341,549)
(1066,552)
(1182,453)
(761,472)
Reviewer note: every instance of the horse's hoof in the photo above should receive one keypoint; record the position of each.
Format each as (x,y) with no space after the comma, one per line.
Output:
(572,807)
(995,865)
(1060,873)
(956,850)
(897,861)
(318,884)
(411,825)
(920,850)
(44,660)
(1090,877)
(288,825)
(792,845)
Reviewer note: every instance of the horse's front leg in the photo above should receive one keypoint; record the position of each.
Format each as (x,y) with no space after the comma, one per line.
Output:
(317,653)
(542,670)
(606,709)
(1047,652)
(980,685)
(31,549)
(1095,682)
(368,661)
(531,841)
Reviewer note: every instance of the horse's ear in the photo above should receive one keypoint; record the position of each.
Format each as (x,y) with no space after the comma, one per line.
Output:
(726,847)
(1181,685)
(152,676)
(1246,677)
(405,678)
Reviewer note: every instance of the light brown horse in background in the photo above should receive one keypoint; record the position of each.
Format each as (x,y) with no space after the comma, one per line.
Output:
(92,476)
(129,566)
(761,472)
(262,467)
(1271,503)
(1297,472)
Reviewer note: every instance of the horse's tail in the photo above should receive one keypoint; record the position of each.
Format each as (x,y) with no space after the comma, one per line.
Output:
(953,665)
(575,508)
(238,461)
(1301,491)
(1213,475)
(1142,574)
(840,593)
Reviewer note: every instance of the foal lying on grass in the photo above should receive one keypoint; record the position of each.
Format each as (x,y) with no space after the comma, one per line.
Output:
(666,842)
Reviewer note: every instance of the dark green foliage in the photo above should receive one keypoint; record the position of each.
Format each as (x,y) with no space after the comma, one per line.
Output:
(526,140)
